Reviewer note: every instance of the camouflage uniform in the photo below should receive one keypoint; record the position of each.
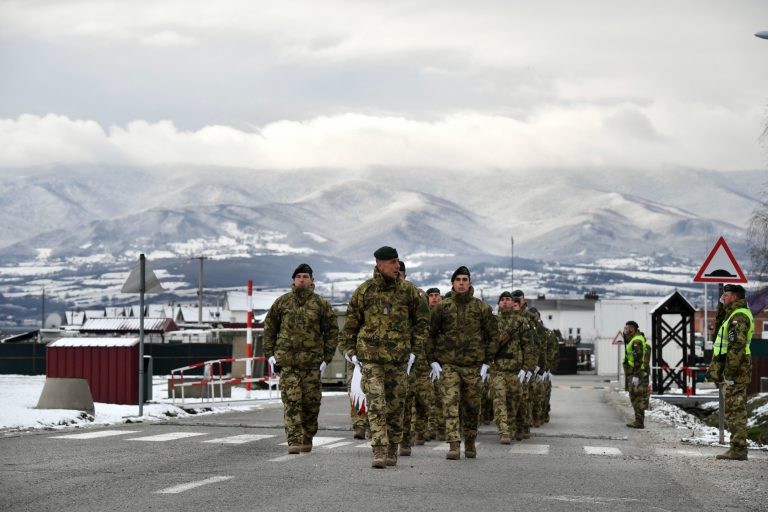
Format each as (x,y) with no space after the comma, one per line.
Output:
(553,361)
(637,363)
(359,421)
(525,413)
(538,386)
(508,391)
(734,364)
(386,321)
(418,416)
(301,332)
(463,337)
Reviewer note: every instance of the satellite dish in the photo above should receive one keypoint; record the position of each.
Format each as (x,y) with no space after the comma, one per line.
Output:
(52,321)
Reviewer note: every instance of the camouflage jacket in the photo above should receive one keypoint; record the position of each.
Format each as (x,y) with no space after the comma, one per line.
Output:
(542,342)
(515,341)
(736,365)
(553,351)
(463,331)
(638,354)
(386,321)
(300,329)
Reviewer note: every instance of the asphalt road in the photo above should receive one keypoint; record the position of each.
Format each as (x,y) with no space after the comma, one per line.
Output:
(585,459)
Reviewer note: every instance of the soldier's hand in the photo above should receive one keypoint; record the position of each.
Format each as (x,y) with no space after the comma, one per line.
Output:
(356,362)
(635,381)
(272,361)
(411,359)
(528,376)
(521,376)
(434,374)
(728,382)
(484,372)
(323,366)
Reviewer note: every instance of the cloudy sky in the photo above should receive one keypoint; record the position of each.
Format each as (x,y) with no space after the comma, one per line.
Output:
(287,84)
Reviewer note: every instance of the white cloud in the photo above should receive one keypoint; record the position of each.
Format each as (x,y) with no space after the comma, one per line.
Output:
(622,136)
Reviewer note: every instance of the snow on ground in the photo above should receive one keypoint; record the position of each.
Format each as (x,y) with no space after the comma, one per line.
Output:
(19,395)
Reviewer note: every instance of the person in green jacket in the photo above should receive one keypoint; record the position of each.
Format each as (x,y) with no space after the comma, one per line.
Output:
(637,363)
(300,338)
(731,366)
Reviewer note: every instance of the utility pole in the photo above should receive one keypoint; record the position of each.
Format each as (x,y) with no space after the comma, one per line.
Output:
(200,291)
(512,263)
(42,315)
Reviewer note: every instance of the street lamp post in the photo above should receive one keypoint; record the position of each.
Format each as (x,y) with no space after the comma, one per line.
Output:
(512,262)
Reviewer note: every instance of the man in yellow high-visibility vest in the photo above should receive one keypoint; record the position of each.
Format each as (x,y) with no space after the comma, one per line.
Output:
(637,362)
(731,366)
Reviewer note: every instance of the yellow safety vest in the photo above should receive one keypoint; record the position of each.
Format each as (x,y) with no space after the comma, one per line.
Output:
(629,356)
(720,347)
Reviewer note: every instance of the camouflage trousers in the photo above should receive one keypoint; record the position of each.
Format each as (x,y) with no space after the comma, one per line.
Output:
(638,395)
(547,399)
(358,420)
(735,401)
(461,389)
(537,400)
(300,393)
(385,386)
(525,411)
(486,404)
(507,397)
(437,410)
(419,402)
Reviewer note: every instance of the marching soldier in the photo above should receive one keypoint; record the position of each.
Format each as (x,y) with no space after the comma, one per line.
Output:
(300,337)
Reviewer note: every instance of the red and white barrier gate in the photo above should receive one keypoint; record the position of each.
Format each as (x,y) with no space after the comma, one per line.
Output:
(213,378)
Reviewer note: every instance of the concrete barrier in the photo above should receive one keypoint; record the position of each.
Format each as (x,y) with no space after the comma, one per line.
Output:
(64,393)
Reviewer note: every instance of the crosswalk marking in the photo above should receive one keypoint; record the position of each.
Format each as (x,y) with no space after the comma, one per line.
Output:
(284,457)
(244,438)
(96,435)
(683,453)
(602,450)
(530,449)
(364,445)
(337,445)
(170,436)
(445,446)
(191,485)
(320,441)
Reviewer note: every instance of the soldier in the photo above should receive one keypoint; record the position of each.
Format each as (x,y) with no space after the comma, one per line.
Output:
(530,365)
(436,421)
(419,397)
(637,362)
(300,337)
(463,340)
(553,361)
(731,366)
(507,374)
(538,386)
(387,323)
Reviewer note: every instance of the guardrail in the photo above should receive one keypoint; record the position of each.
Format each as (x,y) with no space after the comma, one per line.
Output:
(211,379)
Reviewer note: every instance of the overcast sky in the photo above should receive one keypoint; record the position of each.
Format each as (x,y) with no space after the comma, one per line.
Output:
(285,84)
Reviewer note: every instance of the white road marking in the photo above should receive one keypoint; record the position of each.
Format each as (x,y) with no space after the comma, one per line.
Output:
(530,449)
(320,441)
(683,453)
(191,485)
(244,438)
(364,445)
(445,446)
(171,436)
(285,457)
(337,445)
(602,450)
(95,435)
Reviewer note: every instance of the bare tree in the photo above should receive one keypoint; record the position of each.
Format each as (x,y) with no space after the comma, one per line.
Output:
(757,234)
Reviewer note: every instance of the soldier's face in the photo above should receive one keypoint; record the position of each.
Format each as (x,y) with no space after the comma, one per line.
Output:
(629,330)
(389,268)
(729,297)
(434,298)
(302,280)
(506,303)
(516,306)
(462,283)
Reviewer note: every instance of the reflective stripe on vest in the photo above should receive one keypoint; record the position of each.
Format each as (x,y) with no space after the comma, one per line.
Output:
(629,356)
(721,342)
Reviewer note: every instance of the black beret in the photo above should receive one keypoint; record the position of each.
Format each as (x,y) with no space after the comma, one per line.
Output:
(462,270)
(433,290)
(385,253)
(504,294)
(302,269)
(735,288)
(402,267)
(633,324)
(534,310)
(518,293)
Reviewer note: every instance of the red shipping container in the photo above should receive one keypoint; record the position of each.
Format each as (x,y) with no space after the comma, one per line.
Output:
(110,365)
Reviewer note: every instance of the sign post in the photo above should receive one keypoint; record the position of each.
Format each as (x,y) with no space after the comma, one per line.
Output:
(719,267)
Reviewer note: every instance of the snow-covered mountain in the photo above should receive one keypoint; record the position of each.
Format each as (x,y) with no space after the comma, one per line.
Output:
(222,212)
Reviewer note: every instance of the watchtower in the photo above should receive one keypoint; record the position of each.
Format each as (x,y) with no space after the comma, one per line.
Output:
(672,336)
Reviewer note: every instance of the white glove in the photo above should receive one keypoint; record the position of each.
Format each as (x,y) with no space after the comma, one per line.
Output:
(355,362)
(635,381)
(411,359)
(521,376)
(728,382)
(536,370)
(528,376)
(539,378)
(347,358)
(484,372)
(323,366)
(436,371)
(549,376)
(272,362)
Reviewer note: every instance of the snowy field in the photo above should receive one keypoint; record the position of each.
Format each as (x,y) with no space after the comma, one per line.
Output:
(19,395)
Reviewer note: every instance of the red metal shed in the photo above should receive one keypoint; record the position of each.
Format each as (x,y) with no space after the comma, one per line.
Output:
(110,365)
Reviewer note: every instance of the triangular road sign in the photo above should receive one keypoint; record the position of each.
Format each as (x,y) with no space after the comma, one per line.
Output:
(720,266)
(151,282)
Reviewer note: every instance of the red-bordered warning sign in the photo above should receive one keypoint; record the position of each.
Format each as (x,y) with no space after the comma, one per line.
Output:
(720,266)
